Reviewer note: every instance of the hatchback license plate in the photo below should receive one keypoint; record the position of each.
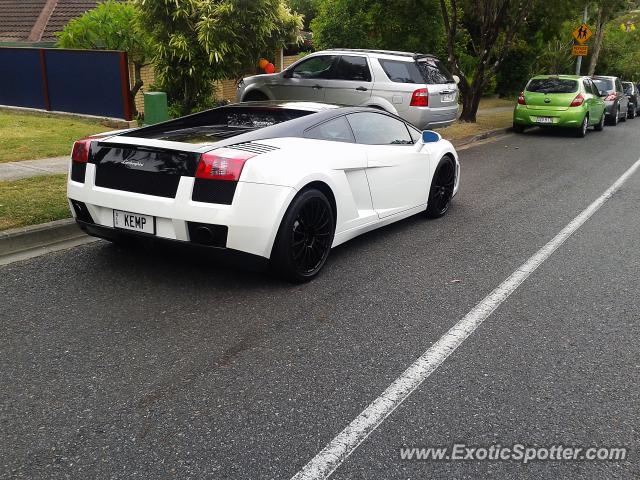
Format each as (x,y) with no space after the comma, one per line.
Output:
(544,119)
(134,221)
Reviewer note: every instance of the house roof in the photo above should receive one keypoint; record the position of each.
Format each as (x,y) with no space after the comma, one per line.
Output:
(38,20)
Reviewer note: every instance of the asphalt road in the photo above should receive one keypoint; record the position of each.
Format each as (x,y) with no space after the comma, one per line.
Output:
(151,364)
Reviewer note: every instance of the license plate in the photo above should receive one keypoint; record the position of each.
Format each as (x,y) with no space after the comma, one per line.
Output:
(544,120)
(134,221)
(448,98)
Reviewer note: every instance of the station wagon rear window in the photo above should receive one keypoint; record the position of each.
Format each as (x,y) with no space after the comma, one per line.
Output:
(430,72)
(552,85)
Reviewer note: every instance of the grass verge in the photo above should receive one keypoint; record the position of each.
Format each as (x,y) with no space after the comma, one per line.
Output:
(33,200)
(484,123)
(27,136)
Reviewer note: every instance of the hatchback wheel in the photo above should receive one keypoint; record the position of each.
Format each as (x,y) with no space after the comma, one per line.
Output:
(304,238)
(442,185)
(600,126)
(616,118)
(582,130)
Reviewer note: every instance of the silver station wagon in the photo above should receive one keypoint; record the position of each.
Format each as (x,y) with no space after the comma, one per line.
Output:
(414,86)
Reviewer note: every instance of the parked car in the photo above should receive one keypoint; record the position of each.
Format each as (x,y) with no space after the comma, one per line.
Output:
(231,181)
(631,91)
(566,101)
(615,100)
(416,87)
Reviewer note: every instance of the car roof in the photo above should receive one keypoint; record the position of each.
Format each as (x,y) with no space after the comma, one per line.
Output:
(395,53)
(610,77)
(564,77)
(297,126)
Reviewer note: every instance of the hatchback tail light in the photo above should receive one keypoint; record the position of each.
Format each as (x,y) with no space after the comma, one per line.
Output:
(610,98)
(80,152)
(420,98)
(222,164)
(521,100)
(579,100)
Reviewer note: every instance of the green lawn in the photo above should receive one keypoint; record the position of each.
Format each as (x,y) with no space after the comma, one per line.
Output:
(26,136)
(33,200)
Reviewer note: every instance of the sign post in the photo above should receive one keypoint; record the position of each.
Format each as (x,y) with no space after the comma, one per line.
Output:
(582,34)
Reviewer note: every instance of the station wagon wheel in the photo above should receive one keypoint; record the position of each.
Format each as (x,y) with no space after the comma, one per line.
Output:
(304,238)
(442,186)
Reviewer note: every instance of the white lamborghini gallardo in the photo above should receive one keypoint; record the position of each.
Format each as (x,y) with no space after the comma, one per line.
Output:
(279,183)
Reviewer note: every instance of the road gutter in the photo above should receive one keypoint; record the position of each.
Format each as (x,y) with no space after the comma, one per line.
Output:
(28,242)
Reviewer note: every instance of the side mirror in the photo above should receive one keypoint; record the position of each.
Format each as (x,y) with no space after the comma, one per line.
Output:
(456,79)
(429,136)
(287,74)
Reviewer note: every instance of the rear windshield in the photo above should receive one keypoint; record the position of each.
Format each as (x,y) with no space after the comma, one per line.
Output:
(430,72)
(552,85)
(604,84)
(217,124)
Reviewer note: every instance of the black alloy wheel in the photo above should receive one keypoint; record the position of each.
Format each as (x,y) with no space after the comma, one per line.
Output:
(305,237)
(442,185)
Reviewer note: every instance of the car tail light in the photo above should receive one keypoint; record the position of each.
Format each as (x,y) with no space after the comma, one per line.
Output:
(610,98)
(222,164)
(579,100)
(420,98)
(521,100)
(80,152)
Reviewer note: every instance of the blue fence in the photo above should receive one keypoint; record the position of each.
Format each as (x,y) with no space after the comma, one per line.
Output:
(94,82)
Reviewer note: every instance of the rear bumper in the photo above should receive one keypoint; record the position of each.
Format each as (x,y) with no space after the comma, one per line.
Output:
(571,117)
(428,117)
(226,256)
(252,219)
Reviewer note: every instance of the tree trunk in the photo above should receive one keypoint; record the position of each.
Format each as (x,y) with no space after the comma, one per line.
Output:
(597,44)
(137,76)
(471,101)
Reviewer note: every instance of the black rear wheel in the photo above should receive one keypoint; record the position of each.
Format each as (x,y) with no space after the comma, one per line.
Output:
(304,238)
(442,185)
(600,125)
(518,128)
(584,126)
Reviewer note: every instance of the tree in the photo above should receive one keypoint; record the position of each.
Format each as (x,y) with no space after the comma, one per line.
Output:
(201,41)
(307,8)
(492,26)
(606,10)
(407,25)
(112,26)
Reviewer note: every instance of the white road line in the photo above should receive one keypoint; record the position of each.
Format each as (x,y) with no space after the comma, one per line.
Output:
(343,445)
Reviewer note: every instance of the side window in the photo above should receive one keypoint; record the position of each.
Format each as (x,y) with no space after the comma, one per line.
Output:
(378,129)
(415,133)
(587,86)
(401,72)
(315,67)
(594,89)
(352,68)
(336,130)
(618,85)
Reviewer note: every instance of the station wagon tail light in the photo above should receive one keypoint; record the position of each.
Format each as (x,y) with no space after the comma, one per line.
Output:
(80,152)
(222,164)
(610,98)
(579,100)
(420,98)
(521,100)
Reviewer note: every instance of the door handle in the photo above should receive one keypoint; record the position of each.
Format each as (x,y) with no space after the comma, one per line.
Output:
(361,89)
(317,87)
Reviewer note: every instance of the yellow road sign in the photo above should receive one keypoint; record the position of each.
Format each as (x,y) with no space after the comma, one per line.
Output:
(580,50)
(582,33)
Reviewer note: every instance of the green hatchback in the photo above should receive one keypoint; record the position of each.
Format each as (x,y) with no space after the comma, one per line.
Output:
(560,101)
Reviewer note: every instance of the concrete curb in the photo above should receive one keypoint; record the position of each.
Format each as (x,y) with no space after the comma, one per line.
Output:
(19,242)
(466,141)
